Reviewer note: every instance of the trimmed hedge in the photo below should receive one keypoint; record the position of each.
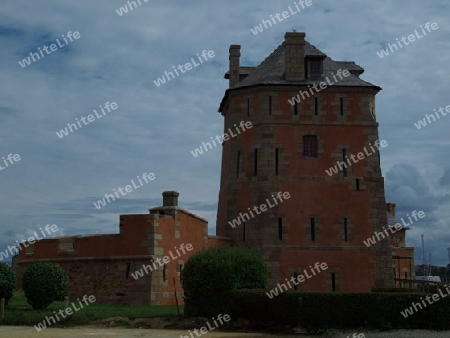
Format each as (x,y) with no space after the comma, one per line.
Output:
(398,290)
(325,310)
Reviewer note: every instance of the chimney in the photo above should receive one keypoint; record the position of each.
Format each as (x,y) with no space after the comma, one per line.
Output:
(390,207)
(170,198)
(235,54)
(295,56)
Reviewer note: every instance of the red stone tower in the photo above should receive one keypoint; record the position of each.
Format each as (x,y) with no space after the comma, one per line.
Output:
(290,148)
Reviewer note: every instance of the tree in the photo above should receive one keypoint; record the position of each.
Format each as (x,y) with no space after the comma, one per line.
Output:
(7,281)
(223,269)
(44,283)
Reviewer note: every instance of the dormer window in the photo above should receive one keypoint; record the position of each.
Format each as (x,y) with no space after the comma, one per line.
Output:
(314,68)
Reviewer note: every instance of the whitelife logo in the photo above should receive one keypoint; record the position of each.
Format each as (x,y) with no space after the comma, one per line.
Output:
(90,118)
(256,208)
(361,155)
(68,311)
(146,177)
(225,137)
(423,123)
(417,306)
(411,38)
(203,330)
(323,85)
(123,10)
(11,159)
(13,250)
(188,66)
(281,17)
(161,261)
(296,281)
(53,48)
(397,226)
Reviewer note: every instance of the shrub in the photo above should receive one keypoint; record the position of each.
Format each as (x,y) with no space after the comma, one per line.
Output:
(318,311)
(44,283)
(210,273)
(398,290)
(7,281)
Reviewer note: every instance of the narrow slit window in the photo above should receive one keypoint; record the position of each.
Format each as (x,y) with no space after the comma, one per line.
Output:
(164,273)
(270,105)
(255,164)
(313,230)
(238,162)
(248,107)
(357,185)
(345,230)
(333,282)
(276,161)
(296,109)
(295,278)
(280,228)
(344,170)
(127,274)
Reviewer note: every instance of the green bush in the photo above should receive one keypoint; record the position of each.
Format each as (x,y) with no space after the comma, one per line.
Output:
(212,272)
(44,283)
(7,281)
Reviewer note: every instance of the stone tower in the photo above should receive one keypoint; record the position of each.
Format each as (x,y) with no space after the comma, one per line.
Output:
(309,113)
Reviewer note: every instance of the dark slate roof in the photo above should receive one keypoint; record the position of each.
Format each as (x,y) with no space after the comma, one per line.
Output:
(272,70)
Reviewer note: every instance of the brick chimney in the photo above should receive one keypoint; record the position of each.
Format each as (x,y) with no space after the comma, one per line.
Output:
(235,55)
(170,198)
(295,56)
(390,207)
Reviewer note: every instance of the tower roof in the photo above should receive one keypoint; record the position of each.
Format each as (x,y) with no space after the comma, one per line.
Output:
(272,70)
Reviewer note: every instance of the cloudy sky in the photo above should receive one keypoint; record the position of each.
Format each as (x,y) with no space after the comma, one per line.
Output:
(116,58)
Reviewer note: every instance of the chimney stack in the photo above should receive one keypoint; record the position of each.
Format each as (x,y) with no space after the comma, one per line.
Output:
(295,56)
(390,207)
(170,198)
(235,54)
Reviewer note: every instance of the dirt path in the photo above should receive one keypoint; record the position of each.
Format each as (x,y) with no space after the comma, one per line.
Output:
(83,331)
(87,331)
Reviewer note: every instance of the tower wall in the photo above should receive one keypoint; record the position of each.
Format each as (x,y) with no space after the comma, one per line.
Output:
(284,230)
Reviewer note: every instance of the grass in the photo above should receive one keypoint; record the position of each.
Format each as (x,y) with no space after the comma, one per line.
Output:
(19,312)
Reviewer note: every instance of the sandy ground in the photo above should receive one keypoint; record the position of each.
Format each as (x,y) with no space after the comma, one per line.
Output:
(26,332)
(86,331)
